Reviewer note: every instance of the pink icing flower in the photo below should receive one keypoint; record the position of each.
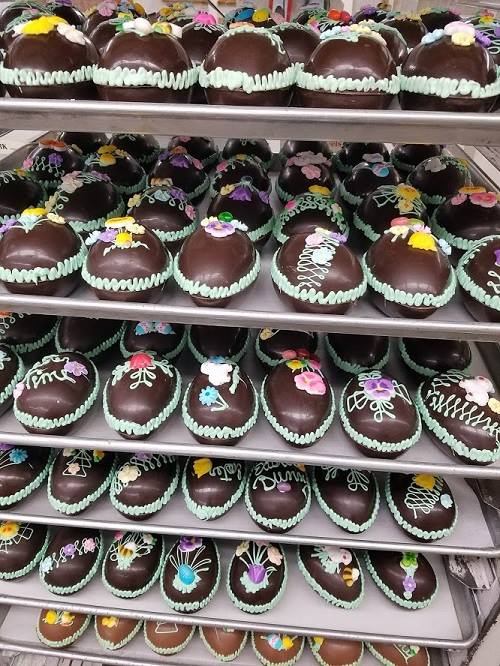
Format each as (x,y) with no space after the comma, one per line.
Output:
(18,391)
(283,487)
(311,171)
(89,545)
(206,18)
(458,199)
(310,382)
(197,164)
(190,212)
(221,167)
(484,199)
(314,239)
(400,222)
(76,369)
(28,163)
(290,205)
(119,535)
(106,8)
(288,354)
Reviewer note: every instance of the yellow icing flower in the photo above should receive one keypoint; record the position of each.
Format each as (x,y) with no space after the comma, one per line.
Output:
(127,549)
(134,201)
(202,466)
(494,405)
(139,8)
(120,153)
(163,27)
(118,222)
(241,156)
(98,455)
(422,241)
(104,150)
(56,218)
(20,172)
(487,19)
(260,15)
(34,211)
(318,641)
(110,621)
(462,39)
(50,617)
(294,364)
(287,642)
(301,466)
(319,189)
(405,206)
(107,160)
(426,481)
(471,189)
(135,228)
(123,239)
(242,548)
(266,333)
(9,529)
(227,189)
(407,192)
(66,618)
(41,26)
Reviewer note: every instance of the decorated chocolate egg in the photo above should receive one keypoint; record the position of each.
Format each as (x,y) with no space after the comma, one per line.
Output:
(22,470)
(212,486)
(478,274)
(336,651)
(113,633)
(224,643)
(11,372)
(207,342)
(394,654)
(167,638)
(277,649)
(58,628)
(357,353)
(22,546)
(307,212)
(29,335)
(430,357)
(272,343)
(91,337)
(159,337)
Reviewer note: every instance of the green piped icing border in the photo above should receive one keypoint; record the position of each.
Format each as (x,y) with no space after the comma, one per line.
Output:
(210,512)
(174,236)
(126,77)
(7,392)
(405,297)
(283,194)
(141,429)
(216,432)
(38,274)
(307,202)
(264,358)
(385,662)
(432,535)
(129,284)
(27,490)
(67,641)
(108,645)
(204,290)
(28,347)
(457,446)
(365,229)
(172,650)
(129,190)
(237,80)
(31,77)
(419,369)
(90,225)
(339,165)
(355,368)
(445,88)
(468,284)
(327,596)
(256,609)
(56,589)
(167,355)
(292,437)
(266,662)
(401,166)
(321,661)
(353,199)
(334,84)
(218,655)
(132,594)
(4,575)
(200,358)
(276,524)
(101,347)
(458,242)
(256,234)
(339,520)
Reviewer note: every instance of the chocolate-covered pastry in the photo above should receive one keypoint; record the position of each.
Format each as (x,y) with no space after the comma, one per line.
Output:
(304,171)
(207,342)
(26,334)
(254,147)
(462,413)
(202,148)
(126,262)
(71,559)
(217,261)
(126,174)
(176,167)
(478,274)
(407,579)
(410,26)
(86,142)
(140,395)
(407,156)
(439,178)
(299,41)
(276,649)
(103,33)
(364,179)
(77,478)
(132,563)
(399,655)
(212,486)
(352,154)
(58,628)
(408,271)
(292,147)
(22,546)
(297,399)
(334,573)
(19,189)
(11,373)
(50,160)
(143,484)
(257,576)
(272,343)
(316,272)
(378,414)
(68,11)
(357,353)
(336,651)
(143,147)
(422,505)
(167,638)
(113,633)
(158,337)
(56,393)
(22,470)
(239,168)
(247,66)
(394,40)
(350,497)
(191,574)
(91,337)
(436,18)
(220,405)
(430,357)
(224,643)
(277,495)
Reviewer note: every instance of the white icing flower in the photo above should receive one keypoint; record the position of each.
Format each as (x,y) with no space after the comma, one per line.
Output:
(218,373)
(140,26)
(339,555)
(71,33)
(434,164)
(147,538)
(446,501)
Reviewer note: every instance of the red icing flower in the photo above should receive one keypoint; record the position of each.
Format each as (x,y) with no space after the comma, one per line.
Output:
(140,360)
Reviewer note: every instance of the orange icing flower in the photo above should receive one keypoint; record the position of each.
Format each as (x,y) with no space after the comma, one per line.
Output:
(472,189)
(9,529)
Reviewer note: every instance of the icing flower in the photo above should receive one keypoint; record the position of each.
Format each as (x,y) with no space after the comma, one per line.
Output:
(409,560)
(55,160)
(123,239)
(76,369)
(307,157)
(409,585)
(350,575)
(218,373)
(484,199)
(322,256)
(407,192)
(18,390)
(39,26)
(187,544)
(8,529)
(8,224)
(28,163)
(222,166)
(434,165)
(89,545)
(242,548)
(148,539)
(381,388)
(290,205)
(405,206)
(71,33)
(295,364)
(128,473)
(497,257)
(202,466)
(338,555)
(219,227)
(283,487)
(66,618)
(18,456)
(380,169)
(477,389)
(310,382)
(134,201)
(46,565)
(494,405)
(319,189)
(73,469)
(458,199)
(274,556)
(70,182)
(69,550)
(190,212)
(110,621)
(50,617)
(314,239)
(140,360)
(241,193)
(427,481)
(372,158)
(260,15)
(422,240)
(106,8)
(208,396)
(446,501)
(311,171)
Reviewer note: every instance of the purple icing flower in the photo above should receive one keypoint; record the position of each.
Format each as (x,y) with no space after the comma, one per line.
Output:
(497,257)
(340,238)
(369,10)
(108,235)
(180,161)
(55,159)
(284,487)
(5,447)
(164,155)
(482,38)
(143,456)
(219,229)
(76,369)
(187,544)
(256,573)
(69,549)
(100,176)
(8,224)
(409,584)
(177,193)
(241,193)
(381,388)
(380,169)
(496,32)
(264,197)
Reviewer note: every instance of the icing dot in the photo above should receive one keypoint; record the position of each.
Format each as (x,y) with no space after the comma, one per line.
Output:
(284,487)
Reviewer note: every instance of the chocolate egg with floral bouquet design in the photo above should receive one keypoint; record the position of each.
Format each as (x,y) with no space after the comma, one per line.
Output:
(132,563)
(126,174)
(301,172)
(167,637)
(407,579)
(277,495)
(143,483)
(56,393)
(326,21)
(297,399)
(71,560)
(50,160)
(365,178)
(203,148)
(157,337)
(271,343)
(378,415)
(407,156)
(143,147)
(207,342)
(428,358)
(394,654)
(439,178)
(478,275)
(352,154)
(91,337)
(408,270)
(275,649)
(113,632)
(316,272)
(357,353)
(224,643)
(22,546)
(220,405)
(191,574)
(239,168)
(59,628)
(19,189)
(462,414)
(309,211)
(177,168)
(29,335)
(257,576)
(259,148)
(22,470)
(11,373)
(336,651)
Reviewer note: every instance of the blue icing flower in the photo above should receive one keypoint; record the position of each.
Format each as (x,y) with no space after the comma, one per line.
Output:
(432,36)
(18,456)
(244,14)
(208,395)
(46,565)
(217,359)
(380,169)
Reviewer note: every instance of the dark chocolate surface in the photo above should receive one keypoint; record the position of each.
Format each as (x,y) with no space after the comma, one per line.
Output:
(82,548)
(344,582)
(20,329)
(17,193)
(439,355)
(19,467)
(388,567)
(403,655)
(88,142)
(366,177)
(129,569)
(224,641)
(46,151)
(125,172)
(67,624)
(467,219)
(84,335)
(165,635)
(255,563)
(352,154)
(223,341)
(273,342)
(156,474)
(363,350)
(256,147)
(142,147)
(294,181)
(432,180)
(91,201)
(215,487)
(10,364)
(183,170)
(299,43)
(338,652)
(121,629)
(201,147)
(414,153)
(236,169)
(349,493)
(411,29)
(20,543)
(198,39)
(77,474)
(435,19)
(481,268)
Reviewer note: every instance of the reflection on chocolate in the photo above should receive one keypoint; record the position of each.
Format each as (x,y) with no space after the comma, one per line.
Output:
(68,12)
(11,371)
(58,628)
(358,353)
(225,642)
(102,34)
(270,344)
(436,19)
(406,156)
(17,192)
(478,275)
(22,545)
(22,470)
(411,28)
(437,183)
(50,160)
(198,38)
(256,147)
(115,632)
(335,651)
(176,167)
(158,337)
(143,147)
(295,179)
(87,142)
(132,563)
(293,146)
(91,337)
(277,648)
(400,655)
(167,638)
(26,333)
(334,573)
(241,168)
(430,357)
(207,342)
(213,485)
(201,147)
(299,41)
(394,40)
(352,154)
(364,179)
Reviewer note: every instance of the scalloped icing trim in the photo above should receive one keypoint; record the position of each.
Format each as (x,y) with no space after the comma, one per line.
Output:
(166,355)
(468,284)
(355,368)
(292,437)
(108,645)
(138,429)
(444,87)
(67,641)
(6,394)
(264,358)
(27,490)
(213,293)
(101,347)
(174,236)
(352,199)
(234,80)
(38,274)
(266,662)
(172,650)
(146,509)
(283,194)
(405,297)
(426,535)
(218,655)
(458,242)
(277,524)
(32,77)
(385,662)
(312,295)
(216,432)
(256,609)
(27,347)
(307,202)
(200,358)
(365,228)
(210,512)
(132,594)
(255,235)
(419,369)
(129,190)
(334,84)
(401,601)
(322,662)
(56,589)
(129,284)
(125,77)
(458,447)
(339,165)
(10,575)
(327,596)
(341,521)
(97,223)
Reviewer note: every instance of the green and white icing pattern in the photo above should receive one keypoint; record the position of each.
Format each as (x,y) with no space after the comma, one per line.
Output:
(341,84)
(78,548)
(126,77)
(354,368)
(218,655)
(416,367)
(306,202)
(490,296)
(407,652)
(61,615)
(129,284)
(167,628)
(276,642)
(225,472)
(8,390)
(108,645)
(23,532)
(315,646)
(32,77)
(445,87)
(13,455)
(162,195)
(8,319)
(92,353)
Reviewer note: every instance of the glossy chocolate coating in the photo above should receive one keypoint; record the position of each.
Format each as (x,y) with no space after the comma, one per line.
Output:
(43,246)
(68,12)
(102,34)
(70,571)
(294,409)
(88,142)
(370,13)
(139,571)
(197,40)
(224,641)
(281,340)
(235,170)
(479,269)
(351,154)
(293,146)
(95,18)
(436,19)
(18,193)
(212,341)
(412,30)
(305,13)
(240,407)
(17,476)
(439,355)
(178,167)
(267,654)
(13,10)
(118,633)
(10,363)
(364,350)
(395,657)
(413,153)
(40,155)
(20,550)
(299,42)
(55,633)
(143,147)
(344,273)
(126,172)
(240,565)
(338,652)
(364,179)
(395,43)
(215,489)
(445,182)
(336,583)
(18,330)
(217,262)
(166,636)
(90,202)
(154,341)
(307,217)
(255,147)
(294,181)
(201,147)
(387,566)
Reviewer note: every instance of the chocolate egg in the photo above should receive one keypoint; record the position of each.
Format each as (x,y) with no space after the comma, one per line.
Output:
(19,190)
(407,579)
(126,174)
(159,337)
(176,167)
(378,415)
(212,486)
(301,172)
(56,393)
(436,18)
(191,574)
(77,478)
(240,168)
(399,655)
(462,414)
(272,343)
(277,495)
(91,337)
(430,357)
(58,628)
(49,160)
(71,560)
(11,373)
(297,400)
(257,576)
(86,142)
(22,546)
(357,353)
(299,41)
(478,274)
(350,497)
(422,505)
(198,37)
(371,13)
(167,638)
(27,334)
(113,633)
(22,470)
(407,156)
(307,212)
(255,147)
(364,179)
(277,649)
(68,11)
(351,154)
(336,651)
(143,483)
(224,643)
(202,148)
(132,563)
(394,40)
(409,25)
(143,147)
(293,146)
(439,178)
(207,342)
